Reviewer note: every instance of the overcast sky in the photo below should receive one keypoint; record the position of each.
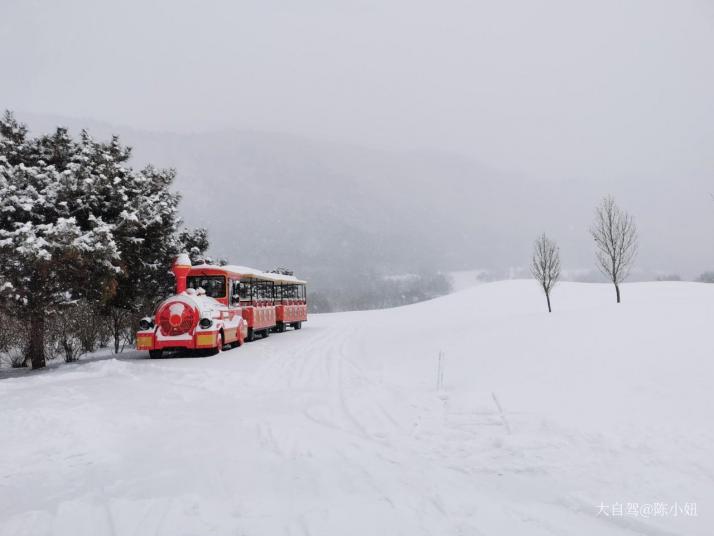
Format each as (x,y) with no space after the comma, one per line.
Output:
(615,93)
(552,89)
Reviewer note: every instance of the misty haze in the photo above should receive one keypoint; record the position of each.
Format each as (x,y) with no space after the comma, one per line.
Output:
(469,243)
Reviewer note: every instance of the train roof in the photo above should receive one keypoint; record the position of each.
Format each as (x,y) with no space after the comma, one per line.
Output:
(252,273)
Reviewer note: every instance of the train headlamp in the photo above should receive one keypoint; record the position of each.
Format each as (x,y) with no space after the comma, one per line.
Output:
(206,323)
(146,324)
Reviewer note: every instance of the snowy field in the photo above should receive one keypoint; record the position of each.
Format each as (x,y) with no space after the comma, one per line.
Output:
(543,426)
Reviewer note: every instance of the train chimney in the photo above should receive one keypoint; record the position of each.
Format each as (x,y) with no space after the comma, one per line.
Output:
(180,268)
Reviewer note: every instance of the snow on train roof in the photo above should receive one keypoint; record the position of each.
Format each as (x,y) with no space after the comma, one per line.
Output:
(257,274)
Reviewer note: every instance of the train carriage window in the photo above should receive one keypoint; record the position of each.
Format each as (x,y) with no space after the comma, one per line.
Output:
(214,285)
(235,293)
(264,290)
(246,291)
(290,292)
(260,291)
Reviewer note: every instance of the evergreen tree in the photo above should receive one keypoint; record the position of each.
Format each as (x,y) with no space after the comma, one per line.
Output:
(50,254)
(76,222)
(195,243)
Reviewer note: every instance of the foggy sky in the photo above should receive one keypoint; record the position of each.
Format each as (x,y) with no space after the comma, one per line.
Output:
(615,91)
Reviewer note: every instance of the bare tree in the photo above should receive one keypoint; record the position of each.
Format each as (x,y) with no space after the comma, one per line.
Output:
(545,265)
(73,329)
(615,235)
(119,324)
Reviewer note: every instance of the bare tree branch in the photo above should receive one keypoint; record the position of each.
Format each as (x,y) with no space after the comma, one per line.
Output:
(545,264)
(615,235)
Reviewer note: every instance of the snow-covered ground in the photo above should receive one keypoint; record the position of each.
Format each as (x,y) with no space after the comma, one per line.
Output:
(463,279)
(544,425)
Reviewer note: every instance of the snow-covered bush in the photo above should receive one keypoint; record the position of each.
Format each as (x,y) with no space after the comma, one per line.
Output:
(13,341)
(13,357)
(74,330)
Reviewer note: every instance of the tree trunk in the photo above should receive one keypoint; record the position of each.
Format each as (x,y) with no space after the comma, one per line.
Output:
(547,297)
(36,350)
(116,333)
(617,291)
(118,325)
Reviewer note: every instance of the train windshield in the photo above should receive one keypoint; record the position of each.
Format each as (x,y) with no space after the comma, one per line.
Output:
(214,285)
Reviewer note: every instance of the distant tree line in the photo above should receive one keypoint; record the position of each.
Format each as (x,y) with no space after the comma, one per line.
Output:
(706,277)
(362,291)
(85,243)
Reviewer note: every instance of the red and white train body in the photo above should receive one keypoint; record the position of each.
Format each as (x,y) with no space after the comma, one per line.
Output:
(218,306)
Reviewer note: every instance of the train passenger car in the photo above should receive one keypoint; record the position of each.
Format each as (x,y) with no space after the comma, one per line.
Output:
(270,301)
(215,306)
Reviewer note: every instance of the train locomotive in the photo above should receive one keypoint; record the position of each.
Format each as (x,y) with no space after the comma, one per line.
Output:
(222,306)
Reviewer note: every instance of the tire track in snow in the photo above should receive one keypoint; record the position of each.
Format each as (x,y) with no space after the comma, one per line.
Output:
(337,386)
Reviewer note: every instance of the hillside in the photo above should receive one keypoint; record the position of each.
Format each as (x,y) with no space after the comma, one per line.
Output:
(277,199)
(341,213)
(340,429)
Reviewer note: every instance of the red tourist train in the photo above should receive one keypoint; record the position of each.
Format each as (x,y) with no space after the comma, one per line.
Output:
(219,306)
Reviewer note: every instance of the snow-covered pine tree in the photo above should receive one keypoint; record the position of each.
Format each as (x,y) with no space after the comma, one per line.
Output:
(195,243)
(148,239)
(77,222)
(146,232)
(50,252)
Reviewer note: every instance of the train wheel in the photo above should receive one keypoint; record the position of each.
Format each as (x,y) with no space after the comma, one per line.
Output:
(155,354)
(280,328)
(238,342)
(251,335)
(266,333)
(298,325)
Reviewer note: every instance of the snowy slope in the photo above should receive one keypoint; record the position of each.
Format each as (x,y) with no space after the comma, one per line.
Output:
(339,429)
(463,279)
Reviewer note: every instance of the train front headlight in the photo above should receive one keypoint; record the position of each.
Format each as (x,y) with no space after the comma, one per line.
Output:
(145,324)
(206,323)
